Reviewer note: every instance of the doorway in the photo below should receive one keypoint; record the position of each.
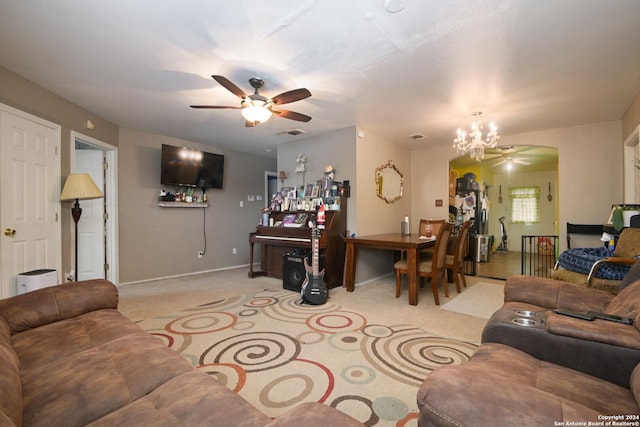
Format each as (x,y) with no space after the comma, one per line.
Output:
(503,169)
(270,187)
(97,229)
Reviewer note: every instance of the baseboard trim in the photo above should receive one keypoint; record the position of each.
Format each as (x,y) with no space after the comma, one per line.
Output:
(175,276)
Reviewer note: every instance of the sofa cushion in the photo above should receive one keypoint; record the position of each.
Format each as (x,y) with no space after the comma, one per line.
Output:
(55,341)
(193,398)
(627,303)
(87,385)
(10,382)
(51,304)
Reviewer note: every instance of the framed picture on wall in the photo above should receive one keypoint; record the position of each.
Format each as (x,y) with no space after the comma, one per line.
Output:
(308,190)
(315,191)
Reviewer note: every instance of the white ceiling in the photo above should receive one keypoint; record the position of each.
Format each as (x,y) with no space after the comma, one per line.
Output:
(528,65)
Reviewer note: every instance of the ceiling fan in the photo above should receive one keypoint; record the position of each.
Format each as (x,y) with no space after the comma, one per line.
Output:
(511,160)
(258,109)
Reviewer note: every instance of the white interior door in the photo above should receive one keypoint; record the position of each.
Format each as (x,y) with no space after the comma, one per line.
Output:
(91,238)
(30,193)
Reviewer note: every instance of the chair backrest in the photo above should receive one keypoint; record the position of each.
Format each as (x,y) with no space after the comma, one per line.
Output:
(461,242)
(435,226)
(628,244)
(440,250)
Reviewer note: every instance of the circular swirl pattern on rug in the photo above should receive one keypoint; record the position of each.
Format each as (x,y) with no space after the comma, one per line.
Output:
(202,323)
(255,351)
(337,321)
(408,355)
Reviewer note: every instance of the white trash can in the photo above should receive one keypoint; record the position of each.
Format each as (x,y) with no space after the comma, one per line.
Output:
(36,279)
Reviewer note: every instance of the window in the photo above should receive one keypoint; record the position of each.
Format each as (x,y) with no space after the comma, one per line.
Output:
(525,205)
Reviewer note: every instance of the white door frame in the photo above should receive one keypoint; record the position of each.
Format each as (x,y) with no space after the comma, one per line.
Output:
(111,206)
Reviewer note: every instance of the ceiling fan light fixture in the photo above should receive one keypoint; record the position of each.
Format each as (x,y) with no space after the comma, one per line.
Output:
(255,114)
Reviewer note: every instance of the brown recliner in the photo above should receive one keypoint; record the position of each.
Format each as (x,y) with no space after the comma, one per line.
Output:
(601,348)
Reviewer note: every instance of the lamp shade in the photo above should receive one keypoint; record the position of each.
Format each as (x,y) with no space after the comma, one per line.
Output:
(80,186)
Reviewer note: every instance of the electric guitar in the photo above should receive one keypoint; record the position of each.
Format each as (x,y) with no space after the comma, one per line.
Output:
(314,291)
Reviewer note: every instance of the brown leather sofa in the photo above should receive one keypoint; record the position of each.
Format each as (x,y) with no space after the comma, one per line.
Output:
(601,348)
(548,369)
(69,358)
(503,386)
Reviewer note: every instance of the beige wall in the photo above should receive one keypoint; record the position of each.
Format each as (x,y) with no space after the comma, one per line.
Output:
(631,119)
(159,242)
(26,96)
(335,148)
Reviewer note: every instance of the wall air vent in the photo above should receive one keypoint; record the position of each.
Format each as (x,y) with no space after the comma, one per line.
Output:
(294,132)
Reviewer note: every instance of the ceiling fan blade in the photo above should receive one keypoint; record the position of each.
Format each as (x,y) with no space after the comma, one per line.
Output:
(230,86)
(292,115)
(291,96)
(521,162)
(215,107)
(501,162)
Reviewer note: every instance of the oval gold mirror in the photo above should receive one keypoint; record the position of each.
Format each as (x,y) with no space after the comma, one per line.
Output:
(389,182)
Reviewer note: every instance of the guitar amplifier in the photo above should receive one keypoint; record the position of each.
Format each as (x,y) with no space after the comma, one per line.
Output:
(293,271)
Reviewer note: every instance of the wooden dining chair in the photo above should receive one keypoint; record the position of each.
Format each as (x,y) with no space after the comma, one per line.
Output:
(433,268)
(455,261)
(422,231)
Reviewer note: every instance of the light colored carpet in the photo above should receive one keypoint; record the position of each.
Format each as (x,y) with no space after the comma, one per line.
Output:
(480,300)
(277,353)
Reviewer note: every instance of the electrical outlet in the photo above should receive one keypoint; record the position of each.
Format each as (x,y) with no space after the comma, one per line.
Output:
(242,203)
(200,254)
(258,197)
(234,251)
(69,276)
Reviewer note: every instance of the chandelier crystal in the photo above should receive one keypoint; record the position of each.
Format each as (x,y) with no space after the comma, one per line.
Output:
(475,145)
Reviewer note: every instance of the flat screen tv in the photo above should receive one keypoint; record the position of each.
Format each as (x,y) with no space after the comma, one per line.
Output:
(191,168)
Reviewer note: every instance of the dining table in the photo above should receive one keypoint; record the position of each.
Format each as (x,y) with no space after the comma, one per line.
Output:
(412,244)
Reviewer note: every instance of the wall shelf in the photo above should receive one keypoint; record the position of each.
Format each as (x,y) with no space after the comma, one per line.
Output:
(183,204)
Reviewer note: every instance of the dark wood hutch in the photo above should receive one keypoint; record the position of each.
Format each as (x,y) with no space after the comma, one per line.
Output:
(276,241)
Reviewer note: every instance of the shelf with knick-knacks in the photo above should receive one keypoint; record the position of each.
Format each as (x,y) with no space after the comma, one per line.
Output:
(185,199)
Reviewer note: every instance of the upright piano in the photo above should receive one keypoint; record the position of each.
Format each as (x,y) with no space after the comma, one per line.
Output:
(277,241)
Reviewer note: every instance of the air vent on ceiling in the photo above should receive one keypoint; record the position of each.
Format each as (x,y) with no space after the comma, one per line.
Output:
(294,132)
(416,136)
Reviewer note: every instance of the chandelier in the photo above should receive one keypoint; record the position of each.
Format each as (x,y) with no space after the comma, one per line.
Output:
(475,145)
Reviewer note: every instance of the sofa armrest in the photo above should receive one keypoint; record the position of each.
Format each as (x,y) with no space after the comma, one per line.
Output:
(314,414)
(551,293)
(490,400)
(603,331)
(48,305)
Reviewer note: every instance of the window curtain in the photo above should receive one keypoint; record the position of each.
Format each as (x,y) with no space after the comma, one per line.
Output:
(525,205)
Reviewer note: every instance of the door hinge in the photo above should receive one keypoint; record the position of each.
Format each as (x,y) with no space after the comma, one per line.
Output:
(106,267)
(105,216)
(105,165)
(56,216)
(56,150)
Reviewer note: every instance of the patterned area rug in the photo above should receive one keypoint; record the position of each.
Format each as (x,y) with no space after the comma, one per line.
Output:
(277,353)
(480,300)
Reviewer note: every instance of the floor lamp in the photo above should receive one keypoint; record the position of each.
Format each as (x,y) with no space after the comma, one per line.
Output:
(79,186)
